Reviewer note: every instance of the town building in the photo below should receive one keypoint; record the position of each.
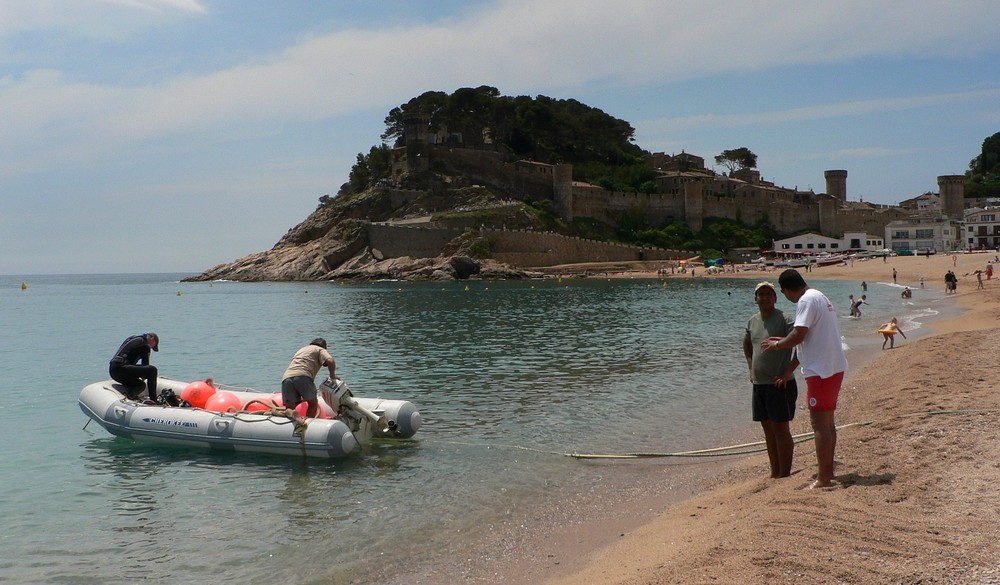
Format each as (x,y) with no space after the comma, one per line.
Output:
(982,229)
(924,233)
(813,243)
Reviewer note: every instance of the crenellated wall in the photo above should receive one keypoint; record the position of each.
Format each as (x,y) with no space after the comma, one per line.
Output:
(693,197)
(518,247)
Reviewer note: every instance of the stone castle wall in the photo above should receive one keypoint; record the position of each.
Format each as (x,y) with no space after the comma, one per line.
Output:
(690,205)
(518,247)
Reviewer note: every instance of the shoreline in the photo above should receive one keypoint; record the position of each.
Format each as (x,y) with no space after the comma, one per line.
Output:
(724,521)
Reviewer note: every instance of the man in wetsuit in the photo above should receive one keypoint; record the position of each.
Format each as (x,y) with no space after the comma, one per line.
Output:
(130,366)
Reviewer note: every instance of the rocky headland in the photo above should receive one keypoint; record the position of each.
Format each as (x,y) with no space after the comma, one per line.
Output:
(333,242)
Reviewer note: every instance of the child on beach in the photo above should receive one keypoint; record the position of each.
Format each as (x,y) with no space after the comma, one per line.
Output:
(856,306)
(889,331)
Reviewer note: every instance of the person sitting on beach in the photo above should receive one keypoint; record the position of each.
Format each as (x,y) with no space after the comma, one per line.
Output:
(889,331)
(773,399)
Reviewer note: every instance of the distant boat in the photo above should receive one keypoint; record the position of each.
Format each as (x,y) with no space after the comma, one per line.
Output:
(793,263)
(830,260)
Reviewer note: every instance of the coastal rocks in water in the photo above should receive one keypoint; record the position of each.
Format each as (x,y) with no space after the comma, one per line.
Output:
(365,266)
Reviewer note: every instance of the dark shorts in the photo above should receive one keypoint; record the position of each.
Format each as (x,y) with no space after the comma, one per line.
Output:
(297,389)
(773,403)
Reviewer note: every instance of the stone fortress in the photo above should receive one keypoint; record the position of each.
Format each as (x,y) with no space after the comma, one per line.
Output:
(688,191)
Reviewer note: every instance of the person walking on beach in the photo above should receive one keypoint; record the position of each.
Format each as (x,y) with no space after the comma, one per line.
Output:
(773,399)
(130,365)
(816,339)
(298,382)
(893,276)
(889,331)
(950,282)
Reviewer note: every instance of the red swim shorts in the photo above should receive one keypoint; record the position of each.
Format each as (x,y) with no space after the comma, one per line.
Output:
(822,393)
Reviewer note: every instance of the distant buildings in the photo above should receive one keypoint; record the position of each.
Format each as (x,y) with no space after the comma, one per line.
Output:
(982,229)
(688,192)
(813,243)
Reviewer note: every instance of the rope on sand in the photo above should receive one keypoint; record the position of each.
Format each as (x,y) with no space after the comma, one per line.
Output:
(731,450)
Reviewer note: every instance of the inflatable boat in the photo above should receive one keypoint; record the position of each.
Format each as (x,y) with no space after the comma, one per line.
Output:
(237,420)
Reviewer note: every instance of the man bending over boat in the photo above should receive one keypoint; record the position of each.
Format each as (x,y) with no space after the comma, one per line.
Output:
(130,366)
(298,382)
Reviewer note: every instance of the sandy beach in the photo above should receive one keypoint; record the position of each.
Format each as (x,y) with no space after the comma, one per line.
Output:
(917,469)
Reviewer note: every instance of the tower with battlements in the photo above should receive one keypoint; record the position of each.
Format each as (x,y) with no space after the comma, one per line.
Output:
(951,189)
(836,183)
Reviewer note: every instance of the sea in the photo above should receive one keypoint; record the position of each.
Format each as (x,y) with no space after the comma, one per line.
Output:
(509,378)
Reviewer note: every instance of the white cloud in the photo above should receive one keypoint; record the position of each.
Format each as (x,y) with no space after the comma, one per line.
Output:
(101,19)
(558,45)
(817,112)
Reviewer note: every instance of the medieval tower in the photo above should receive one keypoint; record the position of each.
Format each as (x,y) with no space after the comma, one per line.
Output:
(836,184)
(951,189)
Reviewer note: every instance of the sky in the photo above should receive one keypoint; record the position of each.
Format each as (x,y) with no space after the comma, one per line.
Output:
(174,135)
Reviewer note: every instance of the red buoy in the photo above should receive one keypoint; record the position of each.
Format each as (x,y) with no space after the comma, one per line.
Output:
(197,393)
(224,402)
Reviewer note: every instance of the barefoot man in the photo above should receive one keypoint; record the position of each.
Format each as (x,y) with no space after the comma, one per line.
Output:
(816,339)
(773,400)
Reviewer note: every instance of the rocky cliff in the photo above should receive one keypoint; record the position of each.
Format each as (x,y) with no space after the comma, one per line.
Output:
(332,243)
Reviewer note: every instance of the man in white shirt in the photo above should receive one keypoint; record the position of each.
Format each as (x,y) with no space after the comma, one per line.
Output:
(819,350)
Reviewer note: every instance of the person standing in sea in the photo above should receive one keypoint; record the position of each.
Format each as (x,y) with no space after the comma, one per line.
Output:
(818,348)
(774,396)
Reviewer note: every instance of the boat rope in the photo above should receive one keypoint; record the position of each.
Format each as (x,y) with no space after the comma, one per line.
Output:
(728,451)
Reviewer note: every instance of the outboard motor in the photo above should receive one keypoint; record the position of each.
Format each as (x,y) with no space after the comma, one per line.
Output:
(339,396)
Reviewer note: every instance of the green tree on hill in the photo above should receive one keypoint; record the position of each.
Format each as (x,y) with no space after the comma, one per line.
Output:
(737,159)
(543,129)
(983,178)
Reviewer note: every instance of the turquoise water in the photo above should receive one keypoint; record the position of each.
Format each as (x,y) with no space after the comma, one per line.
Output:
(503,373)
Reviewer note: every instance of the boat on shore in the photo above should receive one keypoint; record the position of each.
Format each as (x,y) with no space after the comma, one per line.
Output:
(248,421)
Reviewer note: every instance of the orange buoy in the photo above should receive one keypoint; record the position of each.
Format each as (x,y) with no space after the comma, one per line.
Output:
(276,400)
(223,402)
(325,410)
(302,407)
(197,393)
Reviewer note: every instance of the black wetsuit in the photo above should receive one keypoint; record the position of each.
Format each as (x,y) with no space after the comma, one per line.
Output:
(131,365)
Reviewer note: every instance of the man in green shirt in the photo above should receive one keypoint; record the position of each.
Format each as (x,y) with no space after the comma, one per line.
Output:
(774,393)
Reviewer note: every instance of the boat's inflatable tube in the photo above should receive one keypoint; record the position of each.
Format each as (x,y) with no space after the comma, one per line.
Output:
(259,432)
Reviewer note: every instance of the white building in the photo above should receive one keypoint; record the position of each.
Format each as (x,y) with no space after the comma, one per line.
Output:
(982,229)
(817,244)
(924,233)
